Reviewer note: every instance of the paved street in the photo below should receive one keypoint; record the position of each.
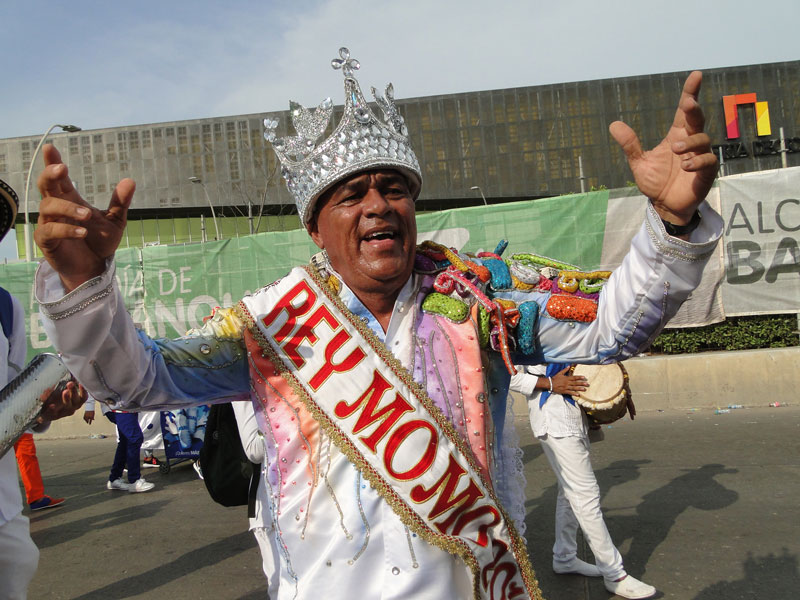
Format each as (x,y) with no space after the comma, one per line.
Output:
(702,506)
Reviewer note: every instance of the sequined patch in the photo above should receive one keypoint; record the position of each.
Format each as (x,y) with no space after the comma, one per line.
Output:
(484,318)
(526,328)
(450,308)
(571,308)
(500,276)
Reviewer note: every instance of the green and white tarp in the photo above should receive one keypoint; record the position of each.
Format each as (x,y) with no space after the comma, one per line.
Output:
(169,289)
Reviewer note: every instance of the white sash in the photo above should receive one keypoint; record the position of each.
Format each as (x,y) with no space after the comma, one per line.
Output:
(386,425)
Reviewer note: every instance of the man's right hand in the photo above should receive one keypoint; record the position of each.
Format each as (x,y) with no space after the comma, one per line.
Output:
(76,238)
(569,384)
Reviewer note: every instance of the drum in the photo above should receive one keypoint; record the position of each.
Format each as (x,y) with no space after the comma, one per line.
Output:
(608,397)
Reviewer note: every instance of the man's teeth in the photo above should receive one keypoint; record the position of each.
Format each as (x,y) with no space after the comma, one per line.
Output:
(381,235)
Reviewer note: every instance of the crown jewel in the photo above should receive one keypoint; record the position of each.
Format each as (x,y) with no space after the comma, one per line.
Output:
(360,141)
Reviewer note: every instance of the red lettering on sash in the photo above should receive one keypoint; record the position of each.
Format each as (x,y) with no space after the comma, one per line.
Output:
(482,538)
(292,311)
(306,332)
(389,414)
(355,357)
(508,589)
(445,501)
(397,438)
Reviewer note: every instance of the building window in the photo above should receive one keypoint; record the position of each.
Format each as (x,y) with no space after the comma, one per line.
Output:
(234,165)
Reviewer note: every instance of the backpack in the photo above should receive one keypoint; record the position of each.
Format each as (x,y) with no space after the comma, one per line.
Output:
(230,478)
(6,312)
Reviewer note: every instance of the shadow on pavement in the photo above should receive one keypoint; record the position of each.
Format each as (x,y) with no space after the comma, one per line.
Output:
(73,530)
(659,510)
(656,512)
(190,562)
(764,577)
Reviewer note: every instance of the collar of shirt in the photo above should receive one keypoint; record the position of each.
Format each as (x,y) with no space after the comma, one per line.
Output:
(402,305)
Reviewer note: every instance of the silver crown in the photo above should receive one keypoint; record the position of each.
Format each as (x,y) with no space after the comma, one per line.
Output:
(360,141)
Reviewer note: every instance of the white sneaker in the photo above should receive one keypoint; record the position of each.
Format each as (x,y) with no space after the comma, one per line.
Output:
(575,566)
(141,485)
(197,469)
(630,587)
(118,484)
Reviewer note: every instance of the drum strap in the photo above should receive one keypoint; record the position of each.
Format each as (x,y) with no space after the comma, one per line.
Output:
(552,369)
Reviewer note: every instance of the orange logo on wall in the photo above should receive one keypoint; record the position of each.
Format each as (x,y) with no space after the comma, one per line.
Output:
(731,105)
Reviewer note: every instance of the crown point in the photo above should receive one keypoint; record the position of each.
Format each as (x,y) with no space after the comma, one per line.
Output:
(360,140)
(345,63)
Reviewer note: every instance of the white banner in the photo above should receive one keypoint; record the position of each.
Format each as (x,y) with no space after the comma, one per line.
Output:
(762,253)
(624,218)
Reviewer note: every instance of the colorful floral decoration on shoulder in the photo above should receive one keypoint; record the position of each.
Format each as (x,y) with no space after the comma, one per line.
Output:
(464,283)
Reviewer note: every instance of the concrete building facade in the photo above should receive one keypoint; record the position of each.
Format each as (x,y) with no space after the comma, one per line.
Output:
(510,144)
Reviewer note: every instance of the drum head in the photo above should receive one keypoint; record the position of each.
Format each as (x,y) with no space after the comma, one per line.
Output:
(606,382)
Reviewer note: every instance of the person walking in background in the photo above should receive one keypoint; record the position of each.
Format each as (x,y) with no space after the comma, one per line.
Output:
(562,429)
(129,445)
(28,463)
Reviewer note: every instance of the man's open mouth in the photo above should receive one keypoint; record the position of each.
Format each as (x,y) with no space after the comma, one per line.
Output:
(379,235)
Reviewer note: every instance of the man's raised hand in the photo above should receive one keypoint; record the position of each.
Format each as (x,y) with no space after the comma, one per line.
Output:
(678,173)
(76,238)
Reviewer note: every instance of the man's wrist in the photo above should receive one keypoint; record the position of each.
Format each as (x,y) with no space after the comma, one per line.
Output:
(680,229)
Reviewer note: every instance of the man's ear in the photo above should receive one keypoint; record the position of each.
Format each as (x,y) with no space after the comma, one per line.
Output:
(316,237)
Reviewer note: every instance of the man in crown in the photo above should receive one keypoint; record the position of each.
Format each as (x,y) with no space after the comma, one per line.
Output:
(379,372)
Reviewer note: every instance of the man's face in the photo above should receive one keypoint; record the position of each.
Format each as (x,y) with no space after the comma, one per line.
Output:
(366,224)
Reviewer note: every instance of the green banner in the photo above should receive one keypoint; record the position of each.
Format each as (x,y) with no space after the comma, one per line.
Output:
(170,289)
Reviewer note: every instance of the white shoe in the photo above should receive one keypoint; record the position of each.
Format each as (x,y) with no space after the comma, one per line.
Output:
(575,566)
(141,485)
(630,587)
(118,484)
(197,468)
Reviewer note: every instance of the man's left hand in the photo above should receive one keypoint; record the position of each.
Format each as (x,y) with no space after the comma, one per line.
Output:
(678,173)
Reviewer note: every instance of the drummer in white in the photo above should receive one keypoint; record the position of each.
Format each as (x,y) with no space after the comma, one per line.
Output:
(562,429)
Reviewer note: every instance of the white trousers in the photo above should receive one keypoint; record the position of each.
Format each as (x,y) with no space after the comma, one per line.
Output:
(19,558)
(578,504)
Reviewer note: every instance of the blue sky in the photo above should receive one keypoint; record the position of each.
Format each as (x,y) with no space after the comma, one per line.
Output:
(104,64)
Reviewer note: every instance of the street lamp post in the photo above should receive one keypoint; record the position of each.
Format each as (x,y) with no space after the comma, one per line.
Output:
(476,187)
(27,224)
(213,214)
